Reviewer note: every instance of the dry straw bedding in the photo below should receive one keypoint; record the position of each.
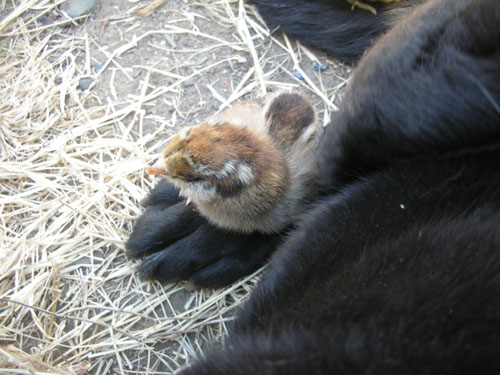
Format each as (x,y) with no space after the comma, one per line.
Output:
(71,179)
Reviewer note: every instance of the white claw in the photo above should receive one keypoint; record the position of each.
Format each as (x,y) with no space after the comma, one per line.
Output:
(188,201)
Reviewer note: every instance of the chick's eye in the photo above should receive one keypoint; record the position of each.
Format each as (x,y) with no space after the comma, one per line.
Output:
(191,177)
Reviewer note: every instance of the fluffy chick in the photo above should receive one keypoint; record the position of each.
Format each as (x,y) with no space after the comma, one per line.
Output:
(249,169)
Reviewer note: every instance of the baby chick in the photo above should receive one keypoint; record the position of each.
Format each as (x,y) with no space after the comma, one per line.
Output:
(250,168)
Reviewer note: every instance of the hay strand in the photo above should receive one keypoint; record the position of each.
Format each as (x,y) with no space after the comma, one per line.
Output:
(72,163)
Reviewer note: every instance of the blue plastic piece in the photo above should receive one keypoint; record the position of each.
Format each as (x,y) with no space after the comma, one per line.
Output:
(318,67)
(298,75)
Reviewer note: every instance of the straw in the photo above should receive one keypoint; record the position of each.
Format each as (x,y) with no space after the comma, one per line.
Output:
(72,174)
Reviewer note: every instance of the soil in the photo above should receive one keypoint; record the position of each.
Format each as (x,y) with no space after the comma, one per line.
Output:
(157,61)
(112,24)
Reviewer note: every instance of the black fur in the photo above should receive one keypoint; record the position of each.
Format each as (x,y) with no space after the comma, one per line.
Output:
(437,92)
(332,25)
(180,244)
(396,268)
(166,220)
(209,257)
(390,276)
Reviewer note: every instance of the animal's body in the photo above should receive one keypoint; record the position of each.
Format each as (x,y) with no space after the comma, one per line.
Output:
(334,26)
(395,269)
(250,168)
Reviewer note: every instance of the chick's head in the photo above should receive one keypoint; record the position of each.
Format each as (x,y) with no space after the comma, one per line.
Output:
(209,161)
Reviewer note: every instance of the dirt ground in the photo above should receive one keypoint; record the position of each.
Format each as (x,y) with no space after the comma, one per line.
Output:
(74,305)
(219,57)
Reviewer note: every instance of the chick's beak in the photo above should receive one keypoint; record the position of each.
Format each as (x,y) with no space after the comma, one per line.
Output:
(158,167)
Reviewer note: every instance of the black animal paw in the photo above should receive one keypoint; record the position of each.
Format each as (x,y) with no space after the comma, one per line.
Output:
(180,244)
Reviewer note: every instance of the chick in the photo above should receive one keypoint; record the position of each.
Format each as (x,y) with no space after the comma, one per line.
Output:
(249,169)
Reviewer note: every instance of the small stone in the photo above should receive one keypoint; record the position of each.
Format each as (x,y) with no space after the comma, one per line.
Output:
(85,83)
(77,8)
(190,287)
(44,20)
